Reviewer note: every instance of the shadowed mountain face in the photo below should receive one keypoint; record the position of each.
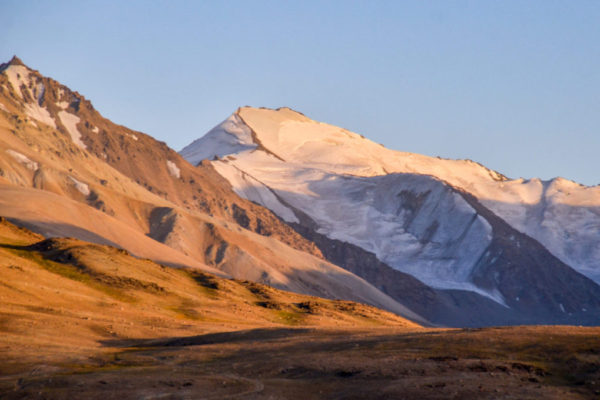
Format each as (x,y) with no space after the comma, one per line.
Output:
(390,216)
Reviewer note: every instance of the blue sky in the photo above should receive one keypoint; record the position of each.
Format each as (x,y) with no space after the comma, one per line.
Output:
(514,85)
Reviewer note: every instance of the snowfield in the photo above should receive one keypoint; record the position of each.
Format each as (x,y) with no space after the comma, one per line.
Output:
(400,206)
(173,169)
(83,188)
(70,122)
(229,137)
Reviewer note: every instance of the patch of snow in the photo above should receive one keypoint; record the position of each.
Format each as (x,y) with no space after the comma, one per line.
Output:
(3,107)
(494,294)
(565,218)
(23,159)
(17,75)
(63,104)
(173,169)
(247,187)
(134,137)
(230,136)
(487,227)
(70,122)
(32,122)
(34,110)
(83,188)
(95,129)
(439,243)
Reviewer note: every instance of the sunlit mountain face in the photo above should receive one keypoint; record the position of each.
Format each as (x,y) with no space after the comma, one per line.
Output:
(277,256)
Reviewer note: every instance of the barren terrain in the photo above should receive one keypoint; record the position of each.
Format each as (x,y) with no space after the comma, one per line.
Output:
(284,363)
(82,320)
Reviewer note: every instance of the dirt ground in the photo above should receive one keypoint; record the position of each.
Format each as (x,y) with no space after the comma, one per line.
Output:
(85,321)
(296,363)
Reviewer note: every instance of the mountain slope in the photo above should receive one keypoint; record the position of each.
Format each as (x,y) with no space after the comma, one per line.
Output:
(63,297)
(413,212)
(74,173)
(562,215)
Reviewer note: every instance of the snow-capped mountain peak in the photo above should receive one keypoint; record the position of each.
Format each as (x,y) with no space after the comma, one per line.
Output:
(292,137)
(407,209)
(229,137)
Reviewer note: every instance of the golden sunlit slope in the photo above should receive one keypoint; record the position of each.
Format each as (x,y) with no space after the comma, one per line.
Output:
(61,297)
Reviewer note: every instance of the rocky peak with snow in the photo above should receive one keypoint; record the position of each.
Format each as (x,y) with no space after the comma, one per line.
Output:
(411,211)
(292,137)
(14,61)
(44,101)
(557,212)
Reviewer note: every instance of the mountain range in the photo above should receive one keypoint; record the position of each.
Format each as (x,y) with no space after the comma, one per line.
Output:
(273,197)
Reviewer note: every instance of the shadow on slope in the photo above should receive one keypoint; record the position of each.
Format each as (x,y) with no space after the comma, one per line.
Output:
(537,287)
(244,336)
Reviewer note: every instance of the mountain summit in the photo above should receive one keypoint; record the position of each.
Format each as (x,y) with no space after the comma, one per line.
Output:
(452,224)
(13,61)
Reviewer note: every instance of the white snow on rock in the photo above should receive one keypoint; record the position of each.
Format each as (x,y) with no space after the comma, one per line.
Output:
(134,137)
(563,215)
(173,169)
(83,188)
(393,203)
(34,110)
(63,104)
(249,188)
(70,122)
(414,223)
(230,136)
(18,76)
(95,129)
(23,159)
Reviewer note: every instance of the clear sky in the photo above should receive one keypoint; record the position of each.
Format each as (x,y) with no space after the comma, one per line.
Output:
(514,85)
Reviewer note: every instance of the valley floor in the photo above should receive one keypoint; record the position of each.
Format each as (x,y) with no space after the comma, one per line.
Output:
(313,363)
(86,321)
